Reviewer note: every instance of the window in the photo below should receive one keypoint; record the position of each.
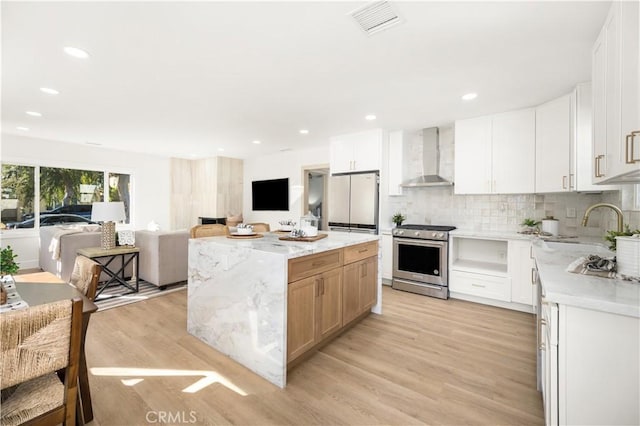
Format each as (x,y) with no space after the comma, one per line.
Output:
(69,191)
(119,189)
(18,186)
(65,195)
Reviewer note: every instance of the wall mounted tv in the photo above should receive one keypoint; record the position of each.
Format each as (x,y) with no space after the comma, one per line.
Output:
(270,194)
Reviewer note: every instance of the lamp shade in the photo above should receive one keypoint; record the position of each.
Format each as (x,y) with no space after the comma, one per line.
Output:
(108,212)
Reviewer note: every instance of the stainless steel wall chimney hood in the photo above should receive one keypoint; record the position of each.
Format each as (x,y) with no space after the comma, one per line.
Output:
(430,162)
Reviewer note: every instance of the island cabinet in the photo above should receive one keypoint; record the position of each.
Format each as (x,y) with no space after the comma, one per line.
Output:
(359,280)
(326,293)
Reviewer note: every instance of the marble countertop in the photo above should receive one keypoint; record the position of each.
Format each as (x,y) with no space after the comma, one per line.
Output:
(290,249)
(505,235)
(602,294)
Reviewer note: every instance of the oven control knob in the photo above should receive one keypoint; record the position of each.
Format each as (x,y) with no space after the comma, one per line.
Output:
(434,235)
(417,233)
(441,235)
(399,232)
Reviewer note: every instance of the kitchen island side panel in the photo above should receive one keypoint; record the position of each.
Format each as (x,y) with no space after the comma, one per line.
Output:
(237,304)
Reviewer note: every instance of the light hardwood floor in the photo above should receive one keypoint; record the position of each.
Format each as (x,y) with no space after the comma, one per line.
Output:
(424,361)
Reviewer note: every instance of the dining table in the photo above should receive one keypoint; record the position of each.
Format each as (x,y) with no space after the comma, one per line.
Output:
(44,287)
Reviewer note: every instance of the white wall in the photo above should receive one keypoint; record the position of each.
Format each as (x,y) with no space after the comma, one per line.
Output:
(282,165)
(150,182)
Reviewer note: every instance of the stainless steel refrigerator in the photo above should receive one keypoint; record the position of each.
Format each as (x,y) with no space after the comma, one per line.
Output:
(353,203)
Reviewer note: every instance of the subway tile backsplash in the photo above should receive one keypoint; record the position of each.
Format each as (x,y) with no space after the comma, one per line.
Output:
(439,206)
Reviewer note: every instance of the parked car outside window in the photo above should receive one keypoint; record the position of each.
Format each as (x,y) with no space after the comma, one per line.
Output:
(50,220)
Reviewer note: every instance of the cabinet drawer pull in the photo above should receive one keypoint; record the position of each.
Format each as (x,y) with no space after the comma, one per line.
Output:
(533,276)
(542,347)
(543,321)
(598,173)
(564,182)
(629,148)
(477,285)
(572,183)
(317,264)
(364,250)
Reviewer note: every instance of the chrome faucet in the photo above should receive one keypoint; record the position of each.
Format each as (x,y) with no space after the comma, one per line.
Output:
(616,209)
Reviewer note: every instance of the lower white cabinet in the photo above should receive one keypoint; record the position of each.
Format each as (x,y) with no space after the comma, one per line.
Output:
(520,265)
(487,286)
(493,271)
(590,366)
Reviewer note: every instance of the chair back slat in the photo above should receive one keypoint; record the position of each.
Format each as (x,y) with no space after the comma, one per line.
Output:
(85,276)
(35,341)
(209,230)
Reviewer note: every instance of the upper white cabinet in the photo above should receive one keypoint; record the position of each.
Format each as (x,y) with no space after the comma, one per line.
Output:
(356,152)
(473,156)
(616,96)
(495,154)
(553,146)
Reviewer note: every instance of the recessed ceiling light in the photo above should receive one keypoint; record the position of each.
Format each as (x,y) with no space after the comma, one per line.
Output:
(221,149)
(75,52)
(370,117)
(257,142)
(49,91)
(469,96)
(24,129)
(304,132)
(33,113)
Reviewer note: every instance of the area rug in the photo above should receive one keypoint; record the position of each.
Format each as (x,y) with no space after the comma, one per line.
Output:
(115,296)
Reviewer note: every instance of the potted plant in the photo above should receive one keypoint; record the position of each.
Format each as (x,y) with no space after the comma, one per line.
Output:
(610,237)
(398,218)
(8,265)
(529,226)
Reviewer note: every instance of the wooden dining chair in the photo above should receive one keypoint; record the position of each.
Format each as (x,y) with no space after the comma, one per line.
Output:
(260,227)
(85,276)
(37,343)
(210,230)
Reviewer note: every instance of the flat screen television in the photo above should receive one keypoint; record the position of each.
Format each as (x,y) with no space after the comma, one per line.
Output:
(270,194)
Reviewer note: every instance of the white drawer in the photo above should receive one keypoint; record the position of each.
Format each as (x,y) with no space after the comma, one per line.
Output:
(488,286)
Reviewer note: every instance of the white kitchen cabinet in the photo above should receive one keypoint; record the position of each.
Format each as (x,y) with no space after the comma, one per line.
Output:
(356,152)
(582,140)
(492,270)
(564,144)
(513,152)
(520,266)
(549,362)
(590,362)
(554,168)
(473,156)
(496,154)
(616,97)
(386,241)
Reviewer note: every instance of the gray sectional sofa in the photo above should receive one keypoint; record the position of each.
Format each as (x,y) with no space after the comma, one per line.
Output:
(163,254)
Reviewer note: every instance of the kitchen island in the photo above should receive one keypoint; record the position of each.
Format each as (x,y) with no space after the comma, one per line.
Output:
(238,293)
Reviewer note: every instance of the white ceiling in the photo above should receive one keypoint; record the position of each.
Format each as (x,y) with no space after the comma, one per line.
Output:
(187,79)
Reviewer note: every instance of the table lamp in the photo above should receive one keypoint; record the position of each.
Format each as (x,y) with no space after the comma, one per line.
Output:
(108,213)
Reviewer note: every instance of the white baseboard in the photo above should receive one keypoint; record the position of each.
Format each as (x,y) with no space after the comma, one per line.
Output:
(500,304)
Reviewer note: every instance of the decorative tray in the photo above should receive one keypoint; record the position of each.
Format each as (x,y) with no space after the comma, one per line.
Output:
(310,239)
(244,236)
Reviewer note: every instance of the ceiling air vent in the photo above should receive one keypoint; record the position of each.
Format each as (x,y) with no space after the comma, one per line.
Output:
(375,17)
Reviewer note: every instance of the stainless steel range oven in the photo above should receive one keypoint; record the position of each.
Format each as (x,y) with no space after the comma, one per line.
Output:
(420,259)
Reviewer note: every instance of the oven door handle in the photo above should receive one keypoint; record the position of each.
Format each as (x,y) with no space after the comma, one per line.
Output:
(419,242)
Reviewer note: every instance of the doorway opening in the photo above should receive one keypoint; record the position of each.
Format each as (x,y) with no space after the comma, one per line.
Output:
(315,200)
